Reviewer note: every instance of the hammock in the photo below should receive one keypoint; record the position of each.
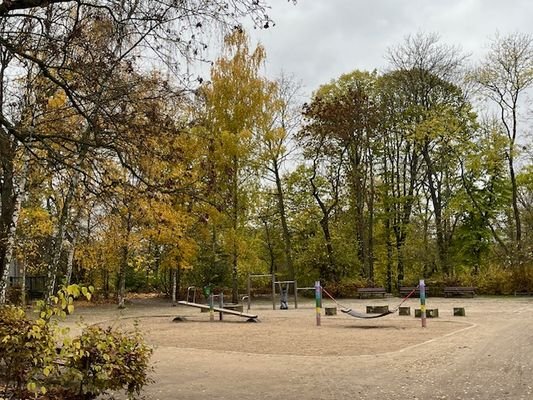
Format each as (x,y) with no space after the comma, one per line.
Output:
(357,314)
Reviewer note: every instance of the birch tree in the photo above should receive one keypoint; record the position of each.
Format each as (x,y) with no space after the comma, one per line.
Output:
(505,75)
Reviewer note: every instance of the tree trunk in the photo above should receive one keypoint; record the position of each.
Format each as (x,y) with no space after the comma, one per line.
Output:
(328,271)
(436,195)
(174,285)
(70,258)
(287,245)
(23,283)
(403,185)
(60,236)
(235,225)
(387,223)
(121,293)
(12,194)
(270,249)
(516,211)
(370,246)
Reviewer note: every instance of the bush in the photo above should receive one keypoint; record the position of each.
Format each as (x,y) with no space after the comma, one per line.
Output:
(38,359)
(347,287)
(494,280)
(104,359)
(27,350)
(14,295)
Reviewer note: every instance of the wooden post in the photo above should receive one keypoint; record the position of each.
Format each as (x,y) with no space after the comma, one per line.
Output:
(318,300)
(211,309)
(295,294)
(273,291)
(405,310)
(422,287)
(330,310)
(459,312)
(249,291)
(221,305)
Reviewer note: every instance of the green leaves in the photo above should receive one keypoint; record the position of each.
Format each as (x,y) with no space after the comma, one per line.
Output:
(36,357)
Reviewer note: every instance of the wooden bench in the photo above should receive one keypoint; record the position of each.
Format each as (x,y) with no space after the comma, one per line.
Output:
(451,291)
(405,290)
(370,292)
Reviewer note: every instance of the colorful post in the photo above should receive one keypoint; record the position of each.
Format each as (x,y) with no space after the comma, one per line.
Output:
(318,299)
(422,287)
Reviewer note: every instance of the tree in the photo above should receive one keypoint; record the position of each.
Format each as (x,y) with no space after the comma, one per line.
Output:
(484,181)
(77,49)
(277,131)
(343,116)
(504,75)
(443,122)
(237,101)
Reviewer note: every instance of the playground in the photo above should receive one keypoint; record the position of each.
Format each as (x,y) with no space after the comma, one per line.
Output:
(486,354)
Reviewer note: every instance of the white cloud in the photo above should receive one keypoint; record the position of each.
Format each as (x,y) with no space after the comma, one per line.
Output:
(318,40)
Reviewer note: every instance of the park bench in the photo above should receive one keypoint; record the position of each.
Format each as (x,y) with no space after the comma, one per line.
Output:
(371,292)
(451,291)
(35,285)
(405,290)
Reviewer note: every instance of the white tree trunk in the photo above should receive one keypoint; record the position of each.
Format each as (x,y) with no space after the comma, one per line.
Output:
(70,258)
(18,192)
(60,236)
(174,285)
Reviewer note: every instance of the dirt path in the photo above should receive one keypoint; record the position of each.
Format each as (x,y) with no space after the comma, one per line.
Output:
(486,355)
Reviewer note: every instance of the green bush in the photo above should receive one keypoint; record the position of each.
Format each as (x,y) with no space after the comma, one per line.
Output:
(105,359)
(495,280)
(347,287)
(39,360)
(27,351)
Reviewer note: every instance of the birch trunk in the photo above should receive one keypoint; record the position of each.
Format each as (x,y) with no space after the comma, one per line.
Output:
(18,194)
(60,236)
(174,285)
(121,295)
(70,258)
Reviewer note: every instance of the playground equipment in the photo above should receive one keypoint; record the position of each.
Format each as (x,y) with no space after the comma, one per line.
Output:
(356,314)
(283,286)
(212,309)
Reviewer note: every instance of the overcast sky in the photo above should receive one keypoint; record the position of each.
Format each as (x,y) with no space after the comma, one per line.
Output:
(318,40)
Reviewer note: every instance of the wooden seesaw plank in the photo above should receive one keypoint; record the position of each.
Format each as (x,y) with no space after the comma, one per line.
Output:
(218,309)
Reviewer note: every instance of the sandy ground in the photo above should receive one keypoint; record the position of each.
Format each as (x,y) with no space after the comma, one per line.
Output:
(488,354)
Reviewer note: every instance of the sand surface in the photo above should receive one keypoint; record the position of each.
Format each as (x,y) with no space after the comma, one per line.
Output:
(488,354)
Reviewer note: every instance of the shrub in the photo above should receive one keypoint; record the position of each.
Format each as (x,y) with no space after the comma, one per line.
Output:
(106,359)
(39,360)
(27,350)
(347,287)
(495,280)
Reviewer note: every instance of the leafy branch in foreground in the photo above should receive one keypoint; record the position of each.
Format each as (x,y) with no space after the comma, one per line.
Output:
(39,359)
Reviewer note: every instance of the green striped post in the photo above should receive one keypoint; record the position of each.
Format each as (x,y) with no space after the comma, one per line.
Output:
(422,287)
(318,300)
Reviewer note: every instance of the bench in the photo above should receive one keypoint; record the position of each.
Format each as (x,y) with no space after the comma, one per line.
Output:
(370,292)
(459,291)
(405,290)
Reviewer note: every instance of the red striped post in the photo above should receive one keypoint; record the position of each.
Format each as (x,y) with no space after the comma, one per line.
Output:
(422,286)
(318,300)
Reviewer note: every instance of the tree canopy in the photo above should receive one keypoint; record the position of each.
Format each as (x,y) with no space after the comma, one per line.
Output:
(118,172)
